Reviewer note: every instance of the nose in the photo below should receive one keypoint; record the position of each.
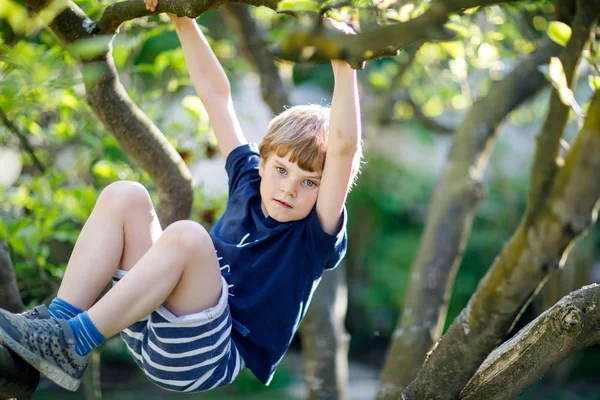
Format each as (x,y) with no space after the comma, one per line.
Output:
(288,188)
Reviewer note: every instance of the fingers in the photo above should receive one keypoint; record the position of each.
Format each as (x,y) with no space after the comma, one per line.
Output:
(151,5)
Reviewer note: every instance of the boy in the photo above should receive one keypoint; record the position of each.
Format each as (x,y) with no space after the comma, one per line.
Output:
(194,308)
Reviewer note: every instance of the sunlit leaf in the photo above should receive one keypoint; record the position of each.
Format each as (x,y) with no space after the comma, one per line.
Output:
(434,107)
(194,106)
(559,81)
(559,32)
(297,5)
(105,169)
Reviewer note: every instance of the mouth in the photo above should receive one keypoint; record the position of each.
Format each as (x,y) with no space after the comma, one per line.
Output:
(282,203)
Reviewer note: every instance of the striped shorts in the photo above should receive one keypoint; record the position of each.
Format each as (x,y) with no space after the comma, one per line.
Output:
(190,353)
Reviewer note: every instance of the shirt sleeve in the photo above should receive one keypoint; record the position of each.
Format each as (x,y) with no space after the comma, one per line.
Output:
(329,249)
(242,165)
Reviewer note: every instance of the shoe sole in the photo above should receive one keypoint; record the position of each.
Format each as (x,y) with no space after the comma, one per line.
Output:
(52,372)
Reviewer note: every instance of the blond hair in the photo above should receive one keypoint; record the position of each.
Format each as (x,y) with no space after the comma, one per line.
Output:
(302,131)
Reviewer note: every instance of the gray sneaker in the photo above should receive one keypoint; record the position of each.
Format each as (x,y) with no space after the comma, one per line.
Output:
(39,312)
(47,344)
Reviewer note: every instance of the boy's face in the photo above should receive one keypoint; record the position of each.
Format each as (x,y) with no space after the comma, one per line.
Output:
(288,193)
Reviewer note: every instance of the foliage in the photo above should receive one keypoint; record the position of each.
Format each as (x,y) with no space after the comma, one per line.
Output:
(41,92)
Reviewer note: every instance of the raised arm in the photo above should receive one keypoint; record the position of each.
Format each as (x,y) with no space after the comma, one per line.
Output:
(343,146)
(211,83)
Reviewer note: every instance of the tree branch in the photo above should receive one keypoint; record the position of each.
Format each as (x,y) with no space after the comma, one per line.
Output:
(325,340)
(570,325)
(449,221)
(23,139)
(536,248)
(548,141)
(255,50)
(117,13)
(17,378)
(323,44)
(134,131)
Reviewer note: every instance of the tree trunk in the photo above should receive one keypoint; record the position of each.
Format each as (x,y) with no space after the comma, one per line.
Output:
(10,299)
(17,378)
(536,248)
(449,223)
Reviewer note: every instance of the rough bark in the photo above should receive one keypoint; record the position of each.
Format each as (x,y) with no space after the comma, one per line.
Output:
(325,341)
(536,248)
(570,325)
(17,378)
(449,222)
(134,131)
(10,299)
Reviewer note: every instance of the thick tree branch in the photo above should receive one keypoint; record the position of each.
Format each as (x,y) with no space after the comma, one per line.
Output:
(117,13)
(449,221)
(570,325)
(17,378)
(255,50)
(536,248)
(309,44)
(134,131)
(548,140)
(10,299)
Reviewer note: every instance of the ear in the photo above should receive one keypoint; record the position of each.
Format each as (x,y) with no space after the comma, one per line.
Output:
(261,167)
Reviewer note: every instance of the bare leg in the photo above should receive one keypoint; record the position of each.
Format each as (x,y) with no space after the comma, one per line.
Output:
(120,230)
(180,271)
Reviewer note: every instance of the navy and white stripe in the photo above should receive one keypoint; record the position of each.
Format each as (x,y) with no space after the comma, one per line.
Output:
(186,354)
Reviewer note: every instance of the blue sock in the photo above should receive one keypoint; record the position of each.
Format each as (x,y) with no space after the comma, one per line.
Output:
(60,309)
(87,336)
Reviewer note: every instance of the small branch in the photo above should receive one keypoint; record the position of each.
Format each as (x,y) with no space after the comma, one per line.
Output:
(429,123)
(386,103)
(23,140)
(570,325)
(255,49)
(548,140)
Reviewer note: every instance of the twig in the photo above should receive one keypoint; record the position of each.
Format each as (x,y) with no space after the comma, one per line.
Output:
(23,141)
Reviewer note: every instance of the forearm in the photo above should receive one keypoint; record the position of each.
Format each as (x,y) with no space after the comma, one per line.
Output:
(206,72)
(345,127)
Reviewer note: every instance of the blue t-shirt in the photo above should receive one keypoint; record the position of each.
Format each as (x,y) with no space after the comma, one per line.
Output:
(272,268)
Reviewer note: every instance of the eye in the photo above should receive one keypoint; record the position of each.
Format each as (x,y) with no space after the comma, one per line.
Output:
(282,171)
(310,183)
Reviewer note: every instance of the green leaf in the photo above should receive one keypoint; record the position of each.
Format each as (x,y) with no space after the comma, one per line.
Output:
(559,32)
(194,106)
(594,82)
(105,169)
(297,5)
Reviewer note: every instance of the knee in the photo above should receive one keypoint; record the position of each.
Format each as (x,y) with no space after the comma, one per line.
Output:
(125,196)
(189,237)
